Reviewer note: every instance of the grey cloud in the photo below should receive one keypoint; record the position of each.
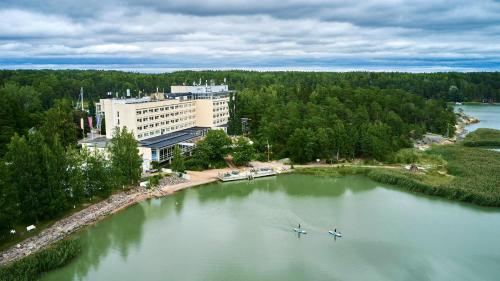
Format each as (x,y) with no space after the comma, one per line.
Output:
(244,32)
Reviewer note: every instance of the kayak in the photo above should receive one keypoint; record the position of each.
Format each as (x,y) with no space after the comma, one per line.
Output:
(337,234)
(301,231)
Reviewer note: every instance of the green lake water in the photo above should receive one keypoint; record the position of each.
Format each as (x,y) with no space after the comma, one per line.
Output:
(243,231)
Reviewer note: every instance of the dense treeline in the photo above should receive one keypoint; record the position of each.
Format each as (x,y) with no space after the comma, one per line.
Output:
(333,123)
(376,104)
(450,86)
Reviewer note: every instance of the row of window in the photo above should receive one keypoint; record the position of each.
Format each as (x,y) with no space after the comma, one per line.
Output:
(156,117)
(164,108)
(220,115)
(162,131)
(224,108)
(162,123)
(220,121)
(219,103)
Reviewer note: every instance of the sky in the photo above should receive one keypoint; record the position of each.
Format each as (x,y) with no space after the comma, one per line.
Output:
(316,35)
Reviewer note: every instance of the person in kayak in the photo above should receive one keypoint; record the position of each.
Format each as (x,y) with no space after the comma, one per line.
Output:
(335,230)
(299,225)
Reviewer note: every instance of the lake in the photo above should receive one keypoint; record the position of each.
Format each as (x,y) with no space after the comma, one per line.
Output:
(488,114)
(243,231)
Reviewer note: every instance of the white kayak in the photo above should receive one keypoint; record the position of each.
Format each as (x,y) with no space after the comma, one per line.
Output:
(301,231)
(336,234)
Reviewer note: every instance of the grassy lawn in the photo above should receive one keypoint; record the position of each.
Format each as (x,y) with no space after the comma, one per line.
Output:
(483,137)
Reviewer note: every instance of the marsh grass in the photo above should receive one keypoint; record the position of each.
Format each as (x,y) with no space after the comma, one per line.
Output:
(32,267)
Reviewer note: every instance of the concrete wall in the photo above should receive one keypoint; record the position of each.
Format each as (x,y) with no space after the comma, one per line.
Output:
(204,113)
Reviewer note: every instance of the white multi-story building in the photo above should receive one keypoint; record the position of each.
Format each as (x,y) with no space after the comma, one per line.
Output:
(162,120)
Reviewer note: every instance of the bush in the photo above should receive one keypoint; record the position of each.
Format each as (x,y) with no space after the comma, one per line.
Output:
(195,164)
(407,156)
(31,267)
(154,181)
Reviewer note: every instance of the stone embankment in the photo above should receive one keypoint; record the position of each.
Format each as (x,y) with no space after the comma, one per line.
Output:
(88,216)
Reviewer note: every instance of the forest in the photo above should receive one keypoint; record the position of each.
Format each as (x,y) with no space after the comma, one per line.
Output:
(306,107)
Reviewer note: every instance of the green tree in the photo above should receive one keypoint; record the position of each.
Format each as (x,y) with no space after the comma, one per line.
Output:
(58,121)
(8,200)
(243,151)
(20,110)
(39,172)
(24,164)
(301,145)
(125,159)
(213,148)
(97,174)
(178,160)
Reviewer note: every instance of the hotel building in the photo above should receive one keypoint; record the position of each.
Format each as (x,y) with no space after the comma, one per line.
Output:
(161,121)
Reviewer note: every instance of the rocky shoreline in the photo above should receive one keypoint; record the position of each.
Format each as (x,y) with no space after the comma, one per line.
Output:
(462,121)
(89,216)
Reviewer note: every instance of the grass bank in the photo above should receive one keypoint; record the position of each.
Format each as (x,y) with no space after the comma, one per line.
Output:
(33,266)
(483,137)
(472,175)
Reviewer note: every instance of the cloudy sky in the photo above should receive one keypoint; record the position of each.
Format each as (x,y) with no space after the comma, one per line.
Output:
(147,35)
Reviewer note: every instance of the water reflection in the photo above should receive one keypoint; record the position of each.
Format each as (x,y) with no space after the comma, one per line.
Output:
(117,233)
(291,185)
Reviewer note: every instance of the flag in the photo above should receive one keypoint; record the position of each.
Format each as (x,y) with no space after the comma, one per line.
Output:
(81,123)
(90,122)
